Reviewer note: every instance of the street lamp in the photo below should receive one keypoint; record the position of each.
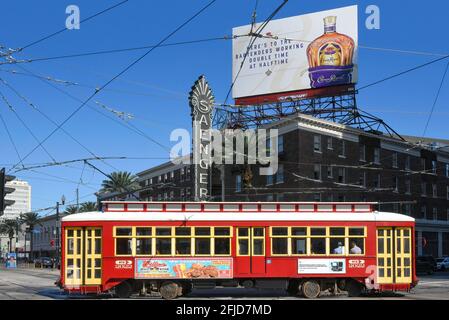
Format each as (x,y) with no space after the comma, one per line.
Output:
(58,228)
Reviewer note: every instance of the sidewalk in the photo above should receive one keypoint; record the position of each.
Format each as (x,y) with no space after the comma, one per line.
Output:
(30,267)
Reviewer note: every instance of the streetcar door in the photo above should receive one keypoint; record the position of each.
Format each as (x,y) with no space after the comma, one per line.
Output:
(82,256)
(73,263)
(394,257)
(403,262)
(92,260)
(385,255)
(250,257)
(258,250)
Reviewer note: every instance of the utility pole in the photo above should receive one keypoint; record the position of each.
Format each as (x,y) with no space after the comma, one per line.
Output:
(17,238)
(77,200)
(57,229)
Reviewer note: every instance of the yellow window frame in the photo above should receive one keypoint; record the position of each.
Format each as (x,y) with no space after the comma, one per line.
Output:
(253,237)
(247,238)
(133,240)
(308,237)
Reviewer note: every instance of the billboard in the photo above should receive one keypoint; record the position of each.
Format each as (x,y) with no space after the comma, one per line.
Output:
(300,56)
(321,266)
(198,268)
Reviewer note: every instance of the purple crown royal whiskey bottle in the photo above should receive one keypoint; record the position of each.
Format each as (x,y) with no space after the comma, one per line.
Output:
(330,57)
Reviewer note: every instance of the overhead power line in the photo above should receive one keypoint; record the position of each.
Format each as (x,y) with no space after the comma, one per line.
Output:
(11,139)
(404,72)
(436,99)
(8,104)
(254,35)
(124,124)
(100,52)
(32,105)
(62,30)
(118,75)
(59,163)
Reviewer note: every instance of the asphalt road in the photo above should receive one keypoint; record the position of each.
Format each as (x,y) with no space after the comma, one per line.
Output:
(38,284)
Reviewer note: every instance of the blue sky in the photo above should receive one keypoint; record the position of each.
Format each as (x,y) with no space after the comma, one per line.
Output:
(155,90)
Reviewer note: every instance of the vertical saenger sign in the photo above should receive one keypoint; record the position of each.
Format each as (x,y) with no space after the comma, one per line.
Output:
(201,102)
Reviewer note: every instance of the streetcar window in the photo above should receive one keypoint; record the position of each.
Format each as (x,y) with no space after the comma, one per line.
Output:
(97,232)
(141,231)
(70,245)
(98,246)
(406,245)
(123,246)
(163,246)
(243,247)
(78,244)
(337,231)
(143,246)
(279,245)
(357,231)
(380,245)
(258,232)
(356,246)
(202,231)
(202,246)
(299,231)
(163,231)
(222,231)
(279,231)
(318,245)
(337,246)
(258,247)
(182,231)
(70,233)
(243,232)
(123,231)
(318,231)
(183,246)
(299,246)
(222,246)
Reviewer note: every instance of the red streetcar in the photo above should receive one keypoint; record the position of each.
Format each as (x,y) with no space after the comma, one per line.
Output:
(172,247)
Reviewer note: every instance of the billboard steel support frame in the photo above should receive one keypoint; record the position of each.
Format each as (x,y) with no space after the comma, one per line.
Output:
(340,109)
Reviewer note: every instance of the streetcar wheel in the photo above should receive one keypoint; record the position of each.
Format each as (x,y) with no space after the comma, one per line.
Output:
(311,289)
(354,289)
(123,290)
(169,290)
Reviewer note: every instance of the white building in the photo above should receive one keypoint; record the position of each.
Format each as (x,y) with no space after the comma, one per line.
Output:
(22,198)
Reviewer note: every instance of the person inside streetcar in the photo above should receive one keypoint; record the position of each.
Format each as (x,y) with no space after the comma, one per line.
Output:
(354,248)
(339,249)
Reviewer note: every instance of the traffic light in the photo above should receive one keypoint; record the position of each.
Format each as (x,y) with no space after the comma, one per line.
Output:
(4,190)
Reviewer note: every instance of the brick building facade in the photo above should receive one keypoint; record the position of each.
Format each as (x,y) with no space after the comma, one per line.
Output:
(324,161)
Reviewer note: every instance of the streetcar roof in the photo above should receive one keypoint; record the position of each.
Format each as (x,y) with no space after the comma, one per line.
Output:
(238,216)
